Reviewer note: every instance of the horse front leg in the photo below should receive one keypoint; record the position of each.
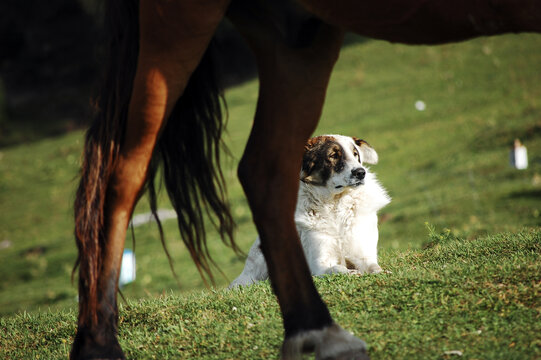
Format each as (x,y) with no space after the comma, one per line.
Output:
(173,38)
(293,84)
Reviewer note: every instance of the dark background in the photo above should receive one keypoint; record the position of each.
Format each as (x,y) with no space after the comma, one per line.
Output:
(50,54)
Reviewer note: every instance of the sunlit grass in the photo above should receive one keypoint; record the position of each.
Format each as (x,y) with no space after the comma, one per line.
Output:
(479,298)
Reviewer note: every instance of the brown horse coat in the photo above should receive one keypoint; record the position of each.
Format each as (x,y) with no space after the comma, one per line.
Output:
(159,104)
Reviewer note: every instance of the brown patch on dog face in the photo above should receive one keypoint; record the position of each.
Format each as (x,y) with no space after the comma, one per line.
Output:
(323,156)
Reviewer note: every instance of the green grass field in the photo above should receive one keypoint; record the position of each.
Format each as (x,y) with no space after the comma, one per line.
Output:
(479,297)
(446,166)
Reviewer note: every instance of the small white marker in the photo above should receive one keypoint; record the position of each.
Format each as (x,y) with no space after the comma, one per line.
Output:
(518,157)
(127,269)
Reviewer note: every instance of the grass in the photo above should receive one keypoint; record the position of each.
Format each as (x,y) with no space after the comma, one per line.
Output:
(479,297)
(447,165)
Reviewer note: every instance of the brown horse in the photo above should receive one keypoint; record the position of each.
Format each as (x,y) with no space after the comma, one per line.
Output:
(159,104)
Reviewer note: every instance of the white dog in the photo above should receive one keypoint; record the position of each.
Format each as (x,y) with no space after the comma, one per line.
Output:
(336,214)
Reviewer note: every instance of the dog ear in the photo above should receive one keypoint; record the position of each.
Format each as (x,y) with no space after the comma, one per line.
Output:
(313,178)
(308,173)
(370,156)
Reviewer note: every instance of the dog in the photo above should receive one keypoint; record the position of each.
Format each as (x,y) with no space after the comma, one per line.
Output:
(336,213)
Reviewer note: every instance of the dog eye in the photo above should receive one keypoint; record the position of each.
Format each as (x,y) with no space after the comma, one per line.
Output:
(334,155)
(356,154)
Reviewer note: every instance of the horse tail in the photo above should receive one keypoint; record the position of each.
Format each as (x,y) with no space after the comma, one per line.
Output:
(102,145)
(189,154)
(188,150)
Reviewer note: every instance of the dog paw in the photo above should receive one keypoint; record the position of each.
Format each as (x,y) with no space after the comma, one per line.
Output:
(374,269)
(329,343)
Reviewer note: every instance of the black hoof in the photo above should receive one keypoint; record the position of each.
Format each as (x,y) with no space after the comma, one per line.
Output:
(87,346)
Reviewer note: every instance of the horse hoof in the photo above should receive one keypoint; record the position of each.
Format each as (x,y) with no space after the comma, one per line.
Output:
(329,343)
(99,353)
(85,347)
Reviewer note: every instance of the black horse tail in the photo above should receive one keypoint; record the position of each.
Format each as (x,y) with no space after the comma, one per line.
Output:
(188,150)
(189,154)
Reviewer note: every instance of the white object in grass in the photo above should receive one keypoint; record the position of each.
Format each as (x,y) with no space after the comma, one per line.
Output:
(127,269)
(518,157)
(420,105)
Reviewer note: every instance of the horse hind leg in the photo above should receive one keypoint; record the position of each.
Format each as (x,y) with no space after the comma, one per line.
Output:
(173,37)
(293,84)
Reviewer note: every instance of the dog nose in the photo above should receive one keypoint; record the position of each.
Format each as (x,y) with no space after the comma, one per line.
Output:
(358,173)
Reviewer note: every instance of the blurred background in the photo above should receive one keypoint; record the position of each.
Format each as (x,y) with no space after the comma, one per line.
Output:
(443,120)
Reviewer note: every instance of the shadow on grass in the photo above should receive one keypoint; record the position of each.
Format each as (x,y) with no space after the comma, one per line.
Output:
(526,194)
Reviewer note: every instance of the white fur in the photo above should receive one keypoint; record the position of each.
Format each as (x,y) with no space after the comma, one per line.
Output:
(337,223)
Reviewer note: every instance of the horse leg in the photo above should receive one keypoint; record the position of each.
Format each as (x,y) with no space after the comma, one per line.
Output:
(429,22)
(293,84)
(173,38)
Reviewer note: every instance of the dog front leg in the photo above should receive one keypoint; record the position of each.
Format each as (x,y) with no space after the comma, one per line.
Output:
(362,252)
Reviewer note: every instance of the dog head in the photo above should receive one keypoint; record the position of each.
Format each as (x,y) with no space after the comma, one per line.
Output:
(336,162)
